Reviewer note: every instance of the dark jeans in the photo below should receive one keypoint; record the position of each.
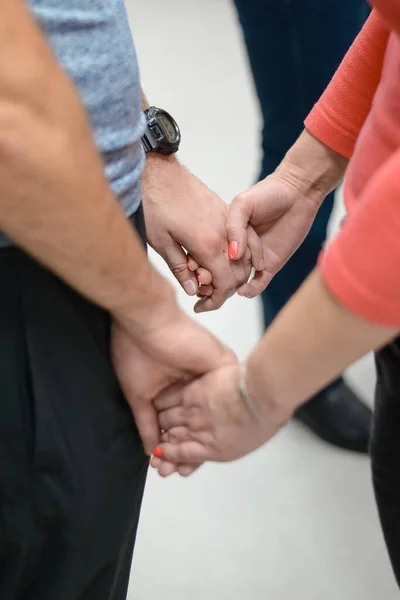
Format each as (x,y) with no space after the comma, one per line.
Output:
(72,466)
(294,47)
(385,448)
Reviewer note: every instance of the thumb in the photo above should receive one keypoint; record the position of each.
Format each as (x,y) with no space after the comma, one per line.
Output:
(240,212)
(177,261)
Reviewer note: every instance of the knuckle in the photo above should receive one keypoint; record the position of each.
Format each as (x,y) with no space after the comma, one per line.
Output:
(238,199)
(179,269)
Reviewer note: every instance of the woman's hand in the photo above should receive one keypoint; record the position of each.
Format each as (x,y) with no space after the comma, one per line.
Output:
(281,216)
(282,207)
(209,420)
(280,211)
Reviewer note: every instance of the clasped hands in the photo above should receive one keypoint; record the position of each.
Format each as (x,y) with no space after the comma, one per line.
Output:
(180,381)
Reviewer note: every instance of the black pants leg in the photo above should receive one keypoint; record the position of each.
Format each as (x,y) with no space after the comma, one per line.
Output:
(385,448)
(72,466)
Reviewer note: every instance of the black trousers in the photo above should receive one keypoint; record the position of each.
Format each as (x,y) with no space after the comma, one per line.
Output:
(385,448)
(72,466)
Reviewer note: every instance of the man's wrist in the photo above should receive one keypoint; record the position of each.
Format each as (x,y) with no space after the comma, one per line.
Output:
(312,167)
(159,174)
(156,162)
(156,306)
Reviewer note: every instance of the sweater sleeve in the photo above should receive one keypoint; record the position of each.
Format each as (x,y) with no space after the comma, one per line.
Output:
(339,115)
(361,265)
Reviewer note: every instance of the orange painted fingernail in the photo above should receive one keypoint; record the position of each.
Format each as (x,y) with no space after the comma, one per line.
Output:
(158,453)
(233,250)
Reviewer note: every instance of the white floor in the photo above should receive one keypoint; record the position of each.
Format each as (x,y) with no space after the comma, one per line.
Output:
(296,520)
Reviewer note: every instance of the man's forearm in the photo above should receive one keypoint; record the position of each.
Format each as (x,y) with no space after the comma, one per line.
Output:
(54,199)
(312,167)
(310,343)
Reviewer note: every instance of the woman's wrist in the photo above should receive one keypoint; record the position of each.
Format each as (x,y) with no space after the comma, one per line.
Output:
(312,167)
(258,393)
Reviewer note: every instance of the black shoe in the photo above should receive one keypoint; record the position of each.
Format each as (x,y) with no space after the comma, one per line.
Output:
(337,416)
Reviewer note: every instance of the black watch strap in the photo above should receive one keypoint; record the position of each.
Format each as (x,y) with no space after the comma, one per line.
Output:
(162,132)
(148,141)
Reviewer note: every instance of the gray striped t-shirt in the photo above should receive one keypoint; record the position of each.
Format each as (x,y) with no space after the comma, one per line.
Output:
(92,41)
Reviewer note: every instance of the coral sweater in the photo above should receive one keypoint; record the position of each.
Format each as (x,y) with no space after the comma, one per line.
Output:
(359,116)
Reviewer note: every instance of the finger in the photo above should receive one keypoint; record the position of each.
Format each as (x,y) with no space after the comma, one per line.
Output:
(256,249)
(214,302)
(172,417)
(186,453)
(205,291)
(257,285)
(203,305)
(203,276)
(165,468)
(176,258)
(146,419)
(171,397)
(186,470)
(193,265)
(240,212)
(176,435)
(155,462)
(190,418)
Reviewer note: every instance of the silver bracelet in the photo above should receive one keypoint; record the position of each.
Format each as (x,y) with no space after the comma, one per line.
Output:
(246,397)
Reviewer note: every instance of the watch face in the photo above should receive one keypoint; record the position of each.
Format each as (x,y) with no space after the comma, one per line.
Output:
(168,127)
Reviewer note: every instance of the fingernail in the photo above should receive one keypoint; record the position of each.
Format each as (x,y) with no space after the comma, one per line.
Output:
(158,453)
(240,294)
(190,287)
(190,267)
(233,250)
(261,265)
(248,296)
(199,278)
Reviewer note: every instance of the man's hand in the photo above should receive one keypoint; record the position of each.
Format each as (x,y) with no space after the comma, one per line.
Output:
(181,212)
(175,350)
(282,207)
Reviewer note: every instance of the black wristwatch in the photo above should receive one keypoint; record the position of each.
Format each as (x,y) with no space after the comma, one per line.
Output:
(162,132)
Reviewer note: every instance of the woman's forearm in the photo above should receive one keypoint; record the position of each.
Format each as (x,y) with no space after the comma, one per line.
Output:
(312,167)
(308,345)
